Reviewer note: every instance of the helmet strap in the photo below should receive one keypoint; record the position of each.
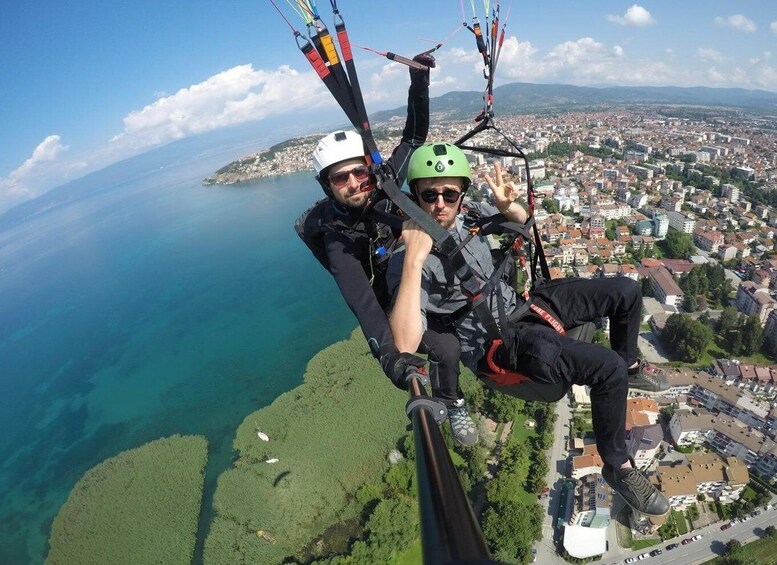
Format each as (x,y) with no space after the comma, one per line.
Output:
(325,186)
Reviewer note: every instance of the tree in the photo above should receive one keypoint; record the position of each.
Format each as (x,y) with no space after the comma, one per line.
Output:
(690,303)
(687,338)
(752,335)
(667,412)
(647,288)
(720,294)
(690,282)
(511,529)
(537,473)
(501,407)
(735,343)
(393,524)
(770,345)
(770,531)
(679,245)
(550,205)
(732,546)
(728,322)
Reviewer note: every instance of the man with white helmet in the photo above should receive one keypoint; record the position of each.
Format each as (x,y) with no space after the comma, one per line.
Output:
(347,233)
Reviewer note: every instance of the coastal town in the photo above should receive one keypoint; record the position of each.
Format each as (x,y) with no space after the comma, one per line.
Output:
(655,195)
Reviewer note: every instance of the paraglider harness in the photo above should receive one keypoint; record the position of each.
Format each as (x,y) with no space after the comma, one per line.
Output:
(342,82)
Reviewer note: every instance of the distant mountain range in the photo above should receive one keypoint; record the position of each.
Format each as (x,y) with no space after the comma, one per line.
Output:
(526,98)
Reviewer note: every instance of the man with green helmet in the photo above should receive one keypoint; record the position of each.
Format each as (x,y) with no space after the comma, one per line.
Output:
(427,285)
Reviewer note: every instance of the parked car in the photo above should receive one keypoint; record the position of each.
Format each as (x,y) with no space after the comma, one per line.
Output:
(655,552)
(686,541)
(755,513)
(697,537)
(672,546)
(726,526)
(644,556)
(630,560)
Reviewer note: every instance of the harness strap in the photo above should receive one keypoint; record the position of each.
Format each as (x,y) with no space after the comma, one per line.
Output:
(452,319)
(499,375)
(533,306)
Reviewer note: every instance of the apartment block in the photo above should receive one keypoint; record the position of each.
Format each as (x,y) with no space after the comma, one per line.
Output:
(708,240)
(680,222)
(754,300)
(722,479)
(665,289)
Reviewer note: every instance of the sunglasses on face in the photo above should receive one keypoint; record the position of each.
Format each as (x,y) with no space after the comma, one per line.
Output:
(449,195)
(339,180)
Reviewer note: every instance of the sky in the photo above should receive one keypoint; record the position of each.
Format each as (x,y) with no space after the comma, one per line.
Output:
(84,84)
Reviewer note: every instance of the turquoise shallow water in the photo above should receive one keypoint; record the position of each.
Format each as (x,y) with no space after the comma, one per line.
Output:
(151,307)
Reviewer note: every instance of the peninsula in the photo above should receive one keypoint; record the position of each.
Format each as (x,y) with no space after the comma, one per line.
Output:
(290,156)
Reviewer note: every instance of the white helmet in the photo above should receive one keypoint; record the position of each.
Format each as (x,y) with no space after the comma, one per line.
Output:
(336,147)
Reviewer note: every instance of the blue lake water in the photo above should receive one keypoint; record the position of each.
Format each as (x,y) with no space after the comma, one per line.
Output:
(149,307)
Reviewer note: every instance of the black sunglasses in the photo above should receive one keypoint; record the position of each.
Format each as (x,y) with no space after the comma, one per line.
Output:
(449,195)
(339,180)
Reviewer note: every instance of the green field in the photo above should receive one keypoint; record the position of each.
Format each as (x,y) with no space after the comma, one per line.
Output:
(759,552)
(141,506)
(330,435)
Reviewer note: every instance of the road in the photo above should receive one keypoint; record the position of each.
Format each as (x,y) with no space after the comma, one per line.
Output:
(557,461)
(711,545)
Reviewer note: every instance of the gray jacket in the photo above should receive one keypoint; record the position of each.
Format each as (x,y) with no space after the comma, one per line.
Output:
(441,289)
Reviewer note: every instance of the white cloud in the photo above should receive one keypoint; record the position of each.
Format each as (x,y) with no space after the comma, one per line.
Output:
(634,16)
(766,77)
(22,182)
(516,62)
(237,95)
(584,61)
(234,96)
(389,83)
(706,54)
(738,22)
(773,27)
(714,75)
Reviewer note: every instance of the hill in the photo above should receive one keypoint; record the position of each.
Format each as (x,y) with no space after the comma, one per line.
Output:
(527,98)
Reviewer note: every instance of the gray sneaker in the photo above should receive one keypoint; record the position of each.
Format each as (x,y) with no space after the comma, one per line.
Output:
(636,490)
(462,426)
(648,379)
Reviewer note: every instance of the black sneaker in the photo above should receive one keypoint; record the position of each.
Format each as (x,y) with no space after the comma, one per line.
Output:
(645,377)
(462,426)
(637,491)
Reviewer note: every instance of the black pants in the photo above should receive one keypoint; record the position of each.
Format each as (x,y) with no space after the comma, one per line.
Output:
(543,354)
(442,346)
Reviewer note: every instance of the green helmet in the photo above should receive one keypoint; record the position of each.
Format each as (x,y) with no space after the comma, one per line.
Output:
(434,160)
